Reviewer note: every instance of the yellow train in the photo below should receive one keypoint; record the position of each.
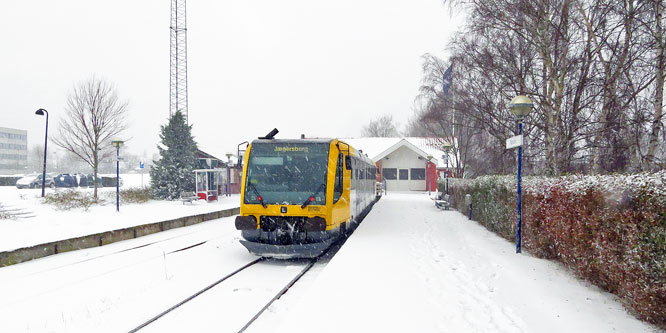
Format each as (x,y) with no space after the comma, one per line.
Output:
(299,196)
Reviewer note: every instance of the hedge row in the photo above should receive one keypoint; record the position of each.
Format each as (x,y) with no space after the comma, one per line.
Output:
(8,180)
(609,230)
(71,198)
(11,181)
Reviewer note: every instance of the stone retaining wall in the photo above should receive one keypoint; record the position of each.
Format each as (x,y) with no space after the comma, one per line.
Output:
(39,251)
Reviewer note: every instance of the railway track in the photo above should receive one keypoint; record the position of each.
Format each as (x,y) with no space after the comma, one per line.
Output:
(181,303)
(328,253)
(65,273)
(190,239)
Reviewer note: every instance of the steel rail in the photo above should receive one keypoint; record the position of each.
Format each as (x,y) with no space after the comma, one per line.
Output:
(284,290)
(132,248)
(149,321)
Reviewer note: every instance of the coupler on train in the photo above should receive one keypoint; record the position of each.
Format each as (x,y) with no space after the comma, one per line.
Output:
(286,237)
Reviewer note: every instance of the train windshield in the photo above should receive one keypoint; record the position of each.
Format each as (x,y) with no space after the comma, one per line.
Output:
(286,173)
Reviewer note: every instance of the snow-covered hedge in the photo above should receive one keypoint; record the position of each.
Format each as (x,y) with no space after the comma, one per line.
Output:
(8,180)
(610,230)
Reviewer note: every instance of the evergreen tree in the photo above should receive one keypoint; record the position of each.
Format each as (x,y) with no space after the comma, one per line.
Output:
(173,173)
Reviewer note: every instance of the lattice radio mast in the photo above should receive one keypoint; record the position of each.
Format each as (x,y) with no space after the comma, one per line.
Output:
(178,79)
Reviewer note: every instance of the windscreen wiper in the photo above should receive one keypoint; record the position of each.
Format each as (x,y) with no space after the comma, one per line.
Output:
(261,200)
(311,198)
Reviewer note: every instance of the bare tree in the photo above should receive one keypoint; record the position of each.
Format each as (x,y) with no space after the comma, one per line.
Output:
(94,116)
(594,69)
(657,34)
(381,127)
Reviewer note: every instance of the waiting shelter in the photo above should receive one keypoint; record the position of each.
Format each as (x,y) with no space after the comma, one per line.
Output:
(209,183)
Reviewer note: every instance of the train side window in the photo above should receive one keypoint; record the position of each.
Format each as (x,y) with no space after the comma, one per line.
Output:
(337,189)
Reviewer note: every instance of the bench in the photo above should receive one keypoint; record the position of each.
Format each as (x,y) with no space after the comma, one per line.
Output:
(188,197)
(443,204)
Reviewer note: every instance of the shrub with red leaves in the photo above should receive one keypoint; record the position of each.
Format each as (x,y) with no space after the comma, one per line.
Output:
(609,230)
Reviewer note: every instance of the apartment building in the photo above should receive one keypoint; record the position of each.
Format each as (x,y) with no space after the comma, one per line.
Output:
(13,151)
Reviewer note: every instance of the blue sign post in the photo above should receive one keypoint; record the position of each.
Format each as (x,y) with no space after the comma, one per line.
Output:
(141,167)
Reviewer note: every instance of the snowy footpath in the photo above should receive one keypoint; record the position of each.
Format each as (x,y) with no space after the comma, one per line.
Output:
(410,267)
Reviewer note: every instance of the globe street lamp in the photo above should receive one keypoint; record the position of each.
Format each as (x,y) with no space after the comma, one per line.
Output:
(117,143)
(41,112)
(520,106)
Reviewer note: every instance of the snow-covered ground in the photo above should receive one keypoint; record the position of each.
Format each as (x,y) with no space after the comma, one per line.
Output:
(409,267)
(116,287)
(49,224)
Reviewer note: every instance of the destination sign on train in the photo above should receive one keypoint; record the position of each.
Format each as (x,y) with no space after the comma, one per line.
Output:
(291,149)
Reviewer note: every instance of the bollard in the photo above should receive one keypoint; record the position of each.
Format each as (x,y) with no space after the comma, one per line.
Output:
(468,202)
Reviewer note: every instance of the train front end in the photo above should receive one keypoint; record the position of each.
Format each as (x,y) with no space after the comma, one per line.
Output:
(288,197)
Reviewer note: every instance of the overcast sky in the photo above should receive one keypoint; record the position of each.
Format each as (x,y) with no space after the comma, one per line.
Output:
(322,68)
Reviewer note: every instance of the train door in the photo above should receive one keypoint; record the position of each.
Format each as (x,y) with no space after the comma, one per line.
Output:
(403,179)
(354,188)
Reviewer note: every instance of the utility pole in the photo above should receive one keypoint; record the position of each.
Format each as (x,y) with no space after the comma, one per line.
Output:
(178,77)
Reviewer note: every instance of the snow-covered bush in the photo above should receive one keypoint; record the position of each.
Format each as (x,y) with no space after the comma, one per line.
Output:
(130,195)
(610,230)
(135,195)
(69,199)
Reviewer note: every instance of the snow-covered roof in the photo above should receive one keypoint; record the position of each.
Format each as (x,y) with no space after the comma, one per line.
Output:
(378,148)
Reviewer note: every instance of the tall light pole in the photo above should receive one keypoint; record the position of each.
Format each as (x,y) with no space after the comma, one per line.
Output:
(41,112)
(428,180)
(447,149)
(447,172)
(520,106)
(228,184)
(117,143)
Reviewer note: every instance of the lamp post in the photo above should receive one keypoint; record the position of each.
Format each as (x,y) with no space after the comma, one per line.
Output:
(428,185)
(520,106)
(117,143)
(41,112)
(228,187)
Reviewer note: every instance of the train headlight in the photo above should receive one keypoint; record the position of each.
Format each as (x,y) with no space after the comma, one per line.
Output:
(246,223)
(314,224)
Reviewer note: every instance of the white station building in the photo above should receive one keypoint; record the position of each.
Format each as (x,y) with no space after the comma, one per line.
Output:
(406,164)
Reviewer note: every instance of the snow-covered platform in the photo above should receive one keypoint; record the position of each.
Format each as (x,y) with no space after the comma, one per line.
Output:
(411,267)
(49,224)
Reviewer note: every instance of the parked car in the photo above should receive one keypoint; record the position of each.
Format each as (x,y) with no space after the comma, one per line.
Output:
(65,180)
(111,181)
(34,181)
(81,179)
(88,181)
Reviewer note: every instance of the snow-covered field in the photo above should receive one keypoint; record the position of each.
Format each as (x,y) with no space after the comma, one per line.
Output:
(409,267)
(49,224)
